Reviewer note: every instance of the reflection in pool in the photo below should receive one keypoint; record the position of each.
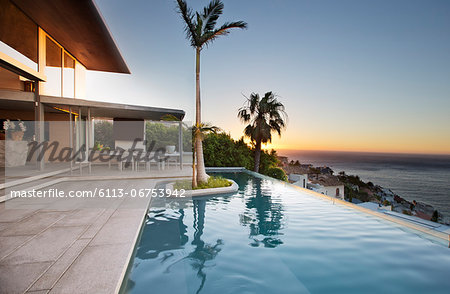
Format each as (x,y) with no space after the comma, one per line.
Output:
(271,238)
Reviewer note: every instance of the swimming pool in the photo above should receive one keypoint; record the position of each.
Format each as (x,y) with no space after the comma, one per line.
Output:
(272,238)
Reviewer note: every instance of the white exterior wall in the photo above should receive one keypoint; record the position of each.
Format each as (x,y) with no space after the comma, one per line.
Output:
(328,190)
(331,191)
(299,180)
(80,81)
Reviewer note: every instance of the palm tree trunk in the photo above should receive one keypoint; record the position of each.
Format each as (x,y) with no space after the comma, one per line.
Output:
(201,172)
(257,155)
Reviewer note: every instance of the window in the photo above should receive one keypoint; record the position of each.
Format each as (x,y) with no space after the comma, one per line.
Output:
(53,86)
(68,76)
(60,71)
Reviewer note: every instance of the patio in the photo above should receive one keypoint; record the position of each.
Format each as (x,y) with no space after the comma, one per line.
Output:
(58,245)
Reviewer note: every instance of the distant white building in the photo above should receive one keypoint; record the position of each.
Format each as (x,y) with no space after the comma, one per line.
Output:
(300,180)
(297,174)
(327,185)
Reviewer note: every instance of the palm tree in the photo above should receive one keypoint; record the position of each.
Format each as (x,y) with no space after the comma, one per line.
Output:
(265,116)
(200,31)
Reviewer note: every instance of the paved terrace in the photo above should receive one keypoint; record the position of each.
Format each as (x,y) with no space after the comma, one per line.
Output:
(73,245)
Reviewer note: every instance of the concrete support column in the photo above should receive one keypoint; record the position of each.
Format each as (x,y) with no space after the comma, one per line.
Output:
(39,128)
(78,129)
(88,132)
(180,142)
(71,138)
(38,106)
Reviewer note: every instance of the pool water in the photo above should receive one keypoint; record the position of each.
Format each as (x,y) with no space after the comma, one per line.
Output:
(272,238)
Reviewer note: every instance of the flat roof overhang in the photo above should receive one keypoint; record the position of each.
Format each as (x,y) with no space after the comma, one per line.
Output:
(112,110)
(15,100)
(79,27)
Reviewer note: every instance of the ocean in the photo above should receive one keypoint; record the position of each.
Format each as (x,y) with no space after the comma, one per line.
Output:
(424,178)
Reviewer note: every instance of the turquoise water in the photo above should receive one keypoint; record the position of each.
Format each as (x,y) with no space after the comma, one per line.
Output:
(271,238)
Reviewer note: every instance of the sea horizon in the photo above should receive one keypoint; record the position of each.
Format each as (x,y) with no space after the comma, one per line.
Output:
(281,150)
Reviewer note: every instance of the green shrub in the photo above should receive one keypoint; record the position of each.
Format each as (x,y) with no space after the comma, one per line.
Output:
(277,173)
(183,185)
(163,134)
(103,133)
(386,203)
(213,182)
(220,150)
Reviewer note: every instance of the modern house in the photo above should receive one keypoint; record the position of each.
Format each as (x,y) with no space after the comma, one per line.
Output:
(46,47)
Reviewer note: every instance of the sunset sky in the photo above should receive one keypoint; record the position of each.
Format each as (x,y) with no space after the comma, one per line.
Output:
(353,75)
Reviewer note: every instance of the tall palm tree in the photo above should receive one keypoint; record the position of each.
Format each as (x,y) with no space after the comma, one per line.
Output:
(201,31)
(265,115)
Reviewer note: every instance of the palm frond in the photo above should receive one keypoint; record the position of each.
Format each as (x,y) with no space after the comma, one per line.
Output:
(205,128)
(188,17)
(243,115)
(249,132)
(211,14)
(210,36)
(201,31)
(253,102)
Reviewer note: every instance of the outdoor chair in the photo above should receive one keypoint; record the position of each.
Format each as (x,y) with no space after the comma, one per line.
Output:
(126,158)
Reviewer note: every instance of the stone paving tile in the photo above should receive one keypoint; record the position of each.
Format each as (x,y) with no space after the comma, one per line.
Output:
(4,226)
(81,217)
(14,215)
(82,277)
(62,205)
(16,278)
(10,243)
(47,246)
(121,227)
(38,292)
(34,224)
(99,223)
(51,276)
(118,230)
(128,213)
